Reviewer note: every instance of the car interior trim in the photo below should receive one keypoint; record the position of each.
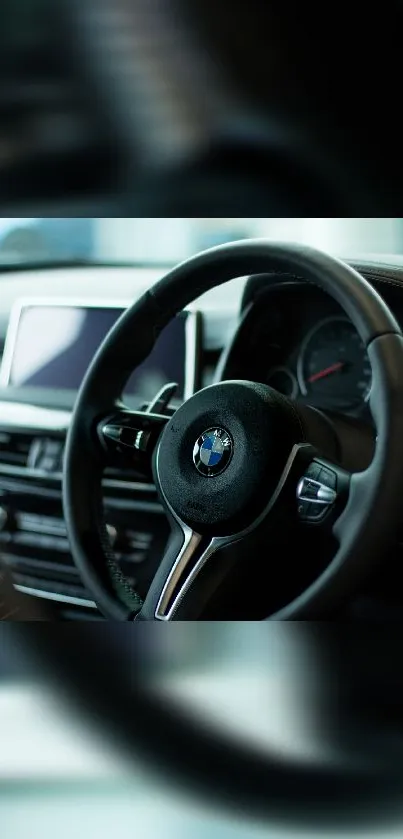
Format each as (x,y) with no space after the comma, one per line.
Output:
(57,598)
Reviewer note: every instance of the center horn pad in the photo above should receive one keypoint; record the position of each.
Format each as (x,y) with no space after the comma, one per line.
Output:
(222,455)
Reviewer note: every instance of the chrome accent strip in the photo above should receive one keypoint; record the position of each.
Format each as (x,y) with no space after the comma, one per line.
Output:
(191,332)
(217,542)
(57,598)
(166,605)
(326,495)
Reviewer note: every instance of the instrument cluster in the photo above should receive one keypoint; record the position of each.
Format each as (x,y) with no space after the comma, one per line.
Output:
(300,342)
(331,370)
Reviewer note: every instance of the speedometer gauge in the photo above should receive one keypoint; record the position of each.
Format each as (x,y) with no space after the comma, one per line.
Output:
(333,368)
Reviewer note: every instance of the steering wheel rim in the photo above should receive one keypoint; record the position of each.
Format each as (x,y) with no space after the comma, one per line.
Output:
(371,504)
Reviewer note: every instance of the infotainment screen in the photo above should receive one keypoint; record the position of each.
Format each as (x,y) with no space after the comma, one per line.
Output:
(50,346)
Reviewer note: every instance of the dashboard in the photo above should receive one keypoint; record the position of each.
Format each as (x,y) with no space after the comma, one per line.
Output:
(277,330)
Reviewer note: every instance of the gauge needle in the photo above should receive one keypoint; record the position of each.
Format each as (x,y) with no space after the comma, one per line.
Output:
(326,372)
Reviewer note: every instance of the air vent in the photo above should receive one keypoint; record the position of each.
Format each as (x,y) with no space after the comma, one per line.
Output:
(15,448)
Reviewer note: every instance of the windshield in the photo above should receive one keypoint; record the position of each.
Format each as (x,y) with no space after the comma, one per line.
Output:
(166,241)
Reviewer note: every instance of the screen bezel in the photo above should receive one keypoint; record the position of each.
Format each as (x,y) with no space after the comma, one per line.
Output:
(192,325)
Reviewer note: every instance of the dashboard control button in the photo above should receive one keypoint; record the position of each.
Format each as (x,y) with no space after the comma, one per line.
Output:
(326,495)
(308,489)
(311,488)
(316,496)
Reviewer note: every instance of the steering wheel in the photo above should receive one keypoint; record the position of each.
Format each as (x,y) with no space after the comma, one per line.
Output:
(237,460)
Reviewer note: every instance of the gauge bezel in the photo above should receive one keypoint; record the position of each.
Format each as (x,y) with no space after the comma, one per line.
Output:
(302,354)
(281,368)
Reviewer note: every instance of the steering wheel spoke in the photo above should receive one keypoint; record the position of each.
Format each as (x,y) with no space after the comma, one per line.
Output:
(194,565)
(186,556)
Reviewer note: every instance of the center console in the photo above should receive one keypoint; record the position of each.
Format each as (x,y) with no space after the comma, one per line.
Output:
(48,349)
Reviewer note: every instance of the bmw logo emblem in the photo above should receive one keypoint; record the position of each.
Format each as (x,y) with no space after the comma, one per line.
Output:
(212,452)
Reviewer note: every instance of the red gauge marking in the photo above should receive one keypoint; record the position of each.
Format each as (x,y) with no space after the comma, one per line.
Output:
(334,368)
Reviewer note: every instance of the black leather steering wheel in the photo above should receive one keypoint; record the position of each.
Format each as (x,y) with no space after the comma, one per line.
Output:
(237,459)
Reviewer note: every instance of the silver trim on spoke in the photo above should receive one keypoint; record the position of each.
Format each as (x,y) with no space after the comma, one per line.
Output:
(167,608)
(168,604)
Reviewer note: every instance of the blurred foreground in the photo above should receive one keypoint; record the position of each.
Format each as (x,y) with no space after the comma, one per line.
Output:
(79,767)
(163,106)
